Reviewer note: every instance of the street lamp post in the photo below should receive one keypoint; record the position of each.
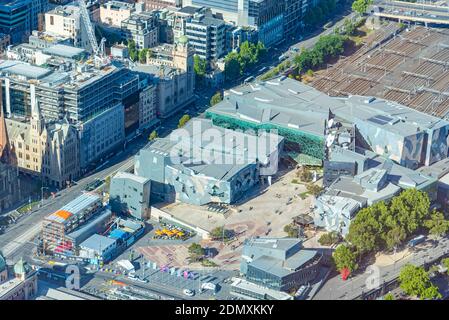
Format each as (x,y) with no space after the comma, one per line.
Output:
(42,195)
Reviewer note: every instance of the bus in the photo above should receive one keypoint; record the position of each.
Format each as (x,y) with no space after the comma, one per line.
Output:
(417,240)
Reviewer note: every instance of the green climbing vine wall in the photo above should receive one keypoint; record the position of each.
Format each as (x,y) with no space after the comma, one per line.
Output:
(310,145)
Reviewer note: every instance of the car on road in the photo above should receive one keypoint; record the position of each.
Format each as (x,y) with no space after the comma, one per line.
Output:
(282,57)
(188,292)
(294,49)
(249,79)
(328,25)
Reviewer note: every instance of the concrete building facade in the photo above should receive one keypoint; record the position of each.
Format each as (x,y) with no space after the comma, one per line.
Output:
(112,13)
(130,194)
(66,21)
(186,170)
(170,69)
(207,35)
(281,264)
(142,28)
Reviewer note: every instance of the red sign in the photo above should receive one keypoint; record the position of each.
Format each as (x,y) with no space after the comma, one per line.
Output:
(345,272)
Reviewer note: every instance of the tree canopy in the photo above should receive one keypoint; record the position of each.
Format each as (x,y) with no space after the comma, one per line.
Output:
(196,251)
(249,54)
(437,224)
(216,98)
(291,231)
(386,226)
(329,238)
(361,6)
(153,135)
(345,257)
(220,233)
(328,46)
(200,67)
(184,119)
(415,281)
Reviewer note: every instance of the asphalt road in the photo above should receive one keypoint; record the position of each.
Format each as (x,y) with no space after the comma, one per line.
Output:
(337,289)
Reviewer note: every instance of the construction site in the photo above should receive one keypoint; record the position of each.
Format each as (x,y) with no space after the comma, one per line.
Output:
(408,66)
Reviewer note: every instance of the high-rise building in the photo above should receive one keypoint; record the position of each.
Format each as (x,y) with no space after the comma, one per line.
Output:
(267,16)
(66,21)
(19,17)
(142,28)
(206,34)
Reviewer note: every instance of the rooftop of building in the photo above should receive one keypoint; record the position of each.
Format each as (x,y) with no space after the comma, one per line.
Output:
(436,170)
(21,127)
(282,268)
(387,115)
(159,71)
(68,10)
(281,101)
(130,176)
(290,103)
(74,208)
(368,186)
(97,242)
(83,75)
(118,5)
(232,150)
(283,244)
(22,69)
(65,51)
(247,286)
(294,255)
(190,10)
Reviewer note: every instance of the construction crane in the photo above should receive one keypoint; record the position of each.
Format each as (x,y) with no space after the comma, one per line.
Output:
(98,50)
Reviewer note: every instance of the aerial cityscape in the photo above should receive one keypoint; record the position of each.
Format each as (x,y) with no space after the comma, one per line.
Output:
(227,150)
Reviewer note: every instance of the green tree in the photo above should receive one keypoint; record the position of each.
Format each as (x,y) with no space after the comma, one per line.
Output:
(394,237)
(349,27)
(410,209)
(415,281)
(216,98)
(365,229)
(220,233)
(314,189)
(184,119)
(291,231)
(232,66)
(344,257)
(196,251)
(388,296)
(445,263)
(200,67)
(133,52)
(360,6)
(153,135)
(437,224)
(329,238)
(143,55)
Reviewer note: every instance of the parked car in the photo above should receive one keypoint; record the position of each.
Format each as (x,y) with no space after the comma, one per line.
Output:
(188,292)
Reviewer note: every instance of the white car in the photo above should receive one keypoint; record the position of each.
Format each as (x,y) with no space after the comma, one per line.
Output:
(188,292)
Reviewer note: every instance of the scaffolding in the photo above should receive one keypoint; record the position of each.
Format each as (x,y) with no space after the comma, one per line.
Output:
(59,224)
